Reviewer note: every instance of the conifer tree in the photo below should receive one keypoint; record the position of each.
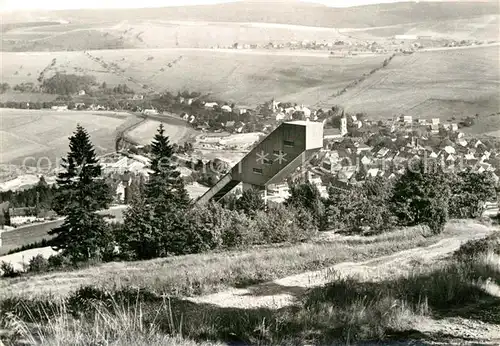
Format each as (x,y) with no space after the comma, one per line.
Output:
(81,193)
(154,222)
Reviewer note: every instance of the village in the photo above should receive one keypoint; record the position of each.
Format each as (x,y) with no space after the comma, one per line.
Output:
(355,147)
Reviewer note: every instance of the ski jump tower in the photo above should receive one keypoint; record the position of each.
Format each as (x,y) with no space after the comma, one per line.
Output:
(272,160)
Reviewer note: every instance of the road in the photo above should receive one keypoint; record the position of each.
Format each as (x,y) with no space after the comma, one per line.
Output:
(29,234)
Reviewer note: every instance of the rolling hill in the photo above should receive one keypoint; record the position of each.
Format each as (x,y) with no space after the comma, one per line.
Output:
(296,13)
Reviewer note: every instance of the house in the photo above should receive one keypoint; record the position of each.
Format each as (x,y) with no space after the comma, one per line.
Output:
(210,105)
(226,109)
(229,124)
(407,119)
(137,97)
(346,173)
(280,116)
(185,116)
(449,149)
(434,128)
(203,127)
(332,133)
(60,108)
(362,148)
(150,111)
(372,172)
(435,121)
(189,101)
(406,37)
(240,110)
(239,126)
(454,127)
(462,142)
(382,152)
(477,143)
(192,119)
(365,160)
(422,122)
(79,105)
(81,93)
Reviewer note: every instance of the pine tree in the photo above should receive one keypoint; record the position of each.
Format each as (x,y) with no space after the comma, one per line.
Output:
(154,224)
(165,186)
(81,193)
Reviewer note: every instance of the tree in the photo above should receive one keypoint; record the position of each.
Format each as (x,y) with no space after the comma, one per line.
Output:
(250,202)
(307,196)
(421,196)
(81,193)
(469,191)
(156,223)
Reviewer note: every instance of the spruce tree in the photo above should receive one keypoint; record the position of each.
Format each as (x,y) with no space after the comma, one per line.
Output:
(155,221)
(81,193)
(165,186)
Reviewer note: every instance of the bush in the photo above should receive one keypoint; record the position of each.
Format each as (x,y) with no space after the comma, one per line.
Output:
(58,261)
(479,247)
(281,224)
(38,264)
(469,191)
(421,196)
(7,270)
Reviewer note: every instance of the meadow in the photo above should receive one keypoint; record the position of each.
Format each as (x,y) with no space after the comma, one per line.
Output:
(199,274)
(40,137)
(245,77)
(443,301)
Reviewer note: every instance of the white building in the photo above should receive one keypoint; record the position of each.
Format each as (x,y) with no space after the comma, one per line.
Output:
(210,104)
(227,109)
(150,111)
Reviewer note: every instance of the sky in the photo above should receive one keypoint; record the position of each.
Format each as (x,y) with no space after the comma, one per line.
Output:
(14,5)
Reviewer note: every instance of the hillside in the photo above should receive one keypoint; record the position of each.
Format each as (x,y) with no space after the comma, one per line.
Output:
(285,13)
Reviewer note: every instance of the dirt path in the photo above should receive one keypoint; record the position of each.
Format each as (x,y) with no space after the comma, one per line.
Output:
(283,292)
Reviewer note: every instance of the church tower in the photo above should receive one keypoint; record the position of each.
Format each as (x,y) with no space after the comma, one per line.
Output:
(343,125)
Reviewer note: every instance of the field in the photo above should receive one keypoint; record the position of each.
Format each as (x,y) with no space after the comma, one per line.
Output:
(236,76)
(143,134)
(33,136)
(445,84)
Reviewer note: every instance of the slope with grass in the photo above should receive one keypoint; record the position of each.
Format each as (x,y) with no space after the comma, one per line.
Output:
(38,138)
(444,84)
(248,77)
(195,275)
(283,292)
(444,302)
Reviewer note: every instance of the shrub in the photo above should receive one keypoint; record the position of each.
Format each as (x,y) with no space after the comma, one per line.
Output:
(38,264)
(250,202)
(58,261)
(479,247)
(281,224)
(469,191)
(7,270)
(421,196)
(307,196)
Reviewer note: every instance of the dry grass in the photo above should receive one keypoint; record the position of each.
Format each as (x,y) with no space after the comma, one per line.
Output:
(207,273)
(344,310)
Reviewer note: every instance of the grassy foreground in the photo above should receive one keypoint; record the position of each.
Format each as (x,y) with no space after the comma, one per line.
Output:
(343,311)
(207,273)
